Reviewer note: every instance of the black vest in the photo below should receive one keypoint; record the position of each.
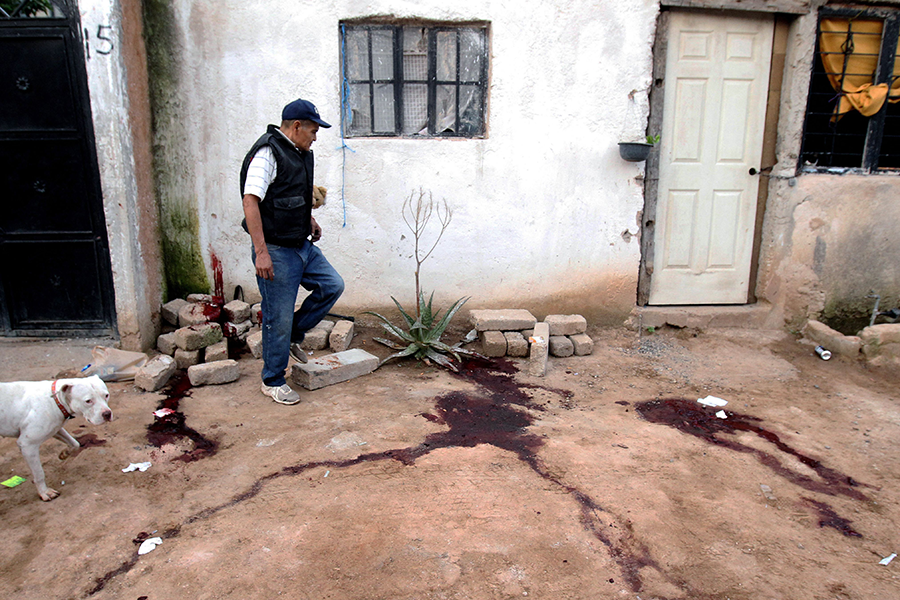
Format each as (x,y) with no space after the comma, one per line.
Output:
(287,208)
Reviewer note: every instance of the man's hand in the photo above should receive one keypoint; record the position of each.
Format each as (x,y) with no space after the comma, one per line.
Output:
(315,230)
(264,267)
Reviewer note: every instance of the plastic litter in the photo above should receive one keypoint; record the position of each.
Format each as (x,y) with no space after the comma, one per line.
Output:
(887,560)
(721,414)
(149,545)
(823,353)
(712,401)
(163,412)
(13,481)
(137,467)
(112,364)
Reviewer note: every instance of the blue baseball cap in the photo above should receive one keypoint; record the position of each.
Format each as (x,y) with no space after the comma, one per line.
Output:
(303,110)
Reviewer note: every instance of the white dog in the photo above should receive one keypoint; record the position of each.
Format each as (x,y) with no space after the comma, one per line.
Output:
(35,411)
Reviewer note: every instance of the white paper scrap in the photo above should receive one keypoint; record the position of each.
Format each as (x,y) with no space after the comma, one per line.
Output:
(721,414)
(887,560)
(149,545)
(712,401)
(137,467)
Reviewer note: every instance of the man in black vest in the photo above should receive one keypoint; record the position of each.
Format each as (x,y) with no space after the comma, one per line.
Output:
(277,188)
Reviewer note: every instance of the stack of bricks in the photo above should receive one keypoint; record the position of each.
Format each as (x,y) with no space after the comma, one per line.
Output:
(517,333)
(202,328)
(327,334)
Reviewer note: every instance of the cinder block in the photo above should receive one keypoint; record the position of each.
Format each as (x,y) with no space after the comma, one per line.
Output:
(583,344)
(156,373)
(333,368)
(237,311)
(192,314)
(216,352)
(166,343)
(516,344)
(493,343)
(256,313)
(561,346)
(214,373)
(199,298)
(254,343)
(187,358)
(540,347)
(198,336)
(317,337)
(233,330)
(341,335)
(171,309)
(502,320)
(566,324)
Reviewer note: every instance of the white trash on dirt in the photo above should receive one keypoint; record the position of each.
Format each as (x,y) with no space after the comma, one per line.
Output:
(887,560)
(112,364)
(721,414)
(712,401)
(137,467)
(149,545)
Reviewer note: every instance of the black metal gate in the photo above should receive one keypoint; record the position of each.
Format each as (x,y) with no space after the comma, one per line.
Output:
(55,276)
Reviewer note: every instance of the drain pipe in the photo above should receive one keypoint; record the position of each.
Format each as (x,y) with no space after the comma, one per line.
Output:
(872,294)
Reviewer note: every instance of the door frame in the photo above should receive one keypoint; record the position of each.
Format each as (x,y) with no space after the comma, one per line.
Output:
(655,125)
(69,26)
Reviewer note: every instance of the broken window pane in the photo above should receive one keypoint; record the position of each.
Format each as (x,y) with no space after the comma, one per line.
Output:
(445,109)
(415,109)
(382,54)
(471,51)
(446,56)
(415,54)
(384,108)
(356,43)
(360,116)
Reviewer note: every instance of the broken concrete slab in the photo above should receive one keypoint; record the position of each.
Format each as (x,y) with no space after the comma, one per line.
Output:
(237,311)
(540,347)
(583,344)
(199,336)
(156,373)
(254,343)
(214,373)
(341,336)
(566,324)
(166,343)
(561,346)
(216,352)
(187,358)
(171,309)
(192,314)
(512,319)
(333,368)
(516,344)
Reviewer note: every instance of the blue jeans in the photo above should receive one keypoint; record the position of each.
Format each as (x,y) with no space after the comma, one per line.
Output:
(294,267)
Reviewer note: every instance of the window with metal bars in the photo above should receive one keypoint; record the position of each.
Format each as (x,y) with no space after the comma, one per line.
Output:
(853,110)
(414,80)
(23,9)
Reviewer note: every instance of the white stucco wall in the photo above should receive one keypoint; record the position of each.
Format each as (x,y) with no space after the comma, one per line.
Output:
(540,205)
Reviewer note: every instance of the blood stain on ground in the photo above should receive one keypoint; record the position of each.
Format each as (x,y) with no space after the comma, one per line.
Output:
(697,420)
(90,440)
(829,518)
(171,428)
(497,415)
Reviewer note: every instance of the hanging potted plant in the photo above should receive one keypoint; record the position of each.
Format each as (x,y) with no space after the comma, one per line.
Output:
(637,151)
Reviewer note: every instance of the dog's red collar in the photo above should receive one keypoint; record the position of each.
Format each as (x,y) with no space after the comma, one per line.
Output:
(61,406)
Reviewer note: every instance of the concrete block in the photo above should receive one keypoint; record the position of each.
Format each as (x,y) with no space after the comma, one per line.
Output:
(233,330)
(317,337)
(493,343)
(166,343)
(200,298)
(237,311)
(256,314)
(192,314)
(516,344)
(582,343)
(341,335)
(214,373)
(254,343)
(885,333)
(198,336)
(540,348)
(502,320)
(218,351)
(566,324)
(156,373)
(561,346)
(187,358)
(823,335)
(333,368)
(171,309)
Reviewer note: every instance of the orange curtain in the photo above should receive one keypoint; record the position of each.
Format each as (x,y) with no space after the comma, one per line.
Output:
(849,50)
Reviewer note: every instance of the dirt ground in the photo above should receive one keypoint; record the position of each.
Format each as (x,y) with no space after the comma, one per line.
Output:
(605,479)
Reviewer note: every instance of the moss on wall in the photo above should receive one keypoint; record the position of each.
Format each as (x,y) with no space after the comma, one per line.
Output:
(172,168)
(851,316)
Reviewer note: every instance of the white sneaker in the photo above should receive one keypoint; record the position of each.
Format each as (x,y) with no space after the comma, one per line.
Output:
(299,354)
(281,394)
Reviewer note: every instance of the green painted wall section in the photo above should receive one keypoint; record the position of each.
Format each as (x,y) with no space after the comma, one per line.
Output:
(185,271)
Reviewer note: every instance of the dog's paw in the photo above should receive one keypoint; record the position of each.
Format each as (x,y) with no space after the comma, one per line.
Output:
(69,453)
(48,495)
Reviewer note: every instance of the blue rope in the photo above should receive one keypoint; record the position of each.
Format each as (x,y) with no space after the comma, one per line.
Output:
(345,118)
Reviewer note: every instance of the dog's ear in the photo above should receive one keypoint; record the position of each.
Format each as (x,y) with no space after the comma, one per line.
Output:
(64,391)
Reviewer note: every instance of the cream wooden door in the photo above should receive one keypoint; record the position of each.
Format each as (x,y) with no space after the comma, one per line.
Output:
(717,75)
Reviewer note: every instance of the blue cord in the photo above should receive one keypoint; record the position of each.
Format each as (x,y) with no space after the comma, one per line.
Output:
(345,118)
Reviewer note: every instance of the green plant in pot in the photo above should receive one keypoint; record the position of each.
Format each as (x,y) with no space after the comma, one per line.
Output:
(637,151)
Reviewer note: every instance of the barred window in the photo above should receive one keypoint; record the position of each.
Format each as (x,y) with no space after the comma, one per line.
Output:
(414,80)
(853,115)
(22,9)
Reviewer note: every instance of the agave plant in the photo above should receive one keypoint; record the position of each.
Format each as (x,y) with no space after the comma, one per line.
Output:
(423,334)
